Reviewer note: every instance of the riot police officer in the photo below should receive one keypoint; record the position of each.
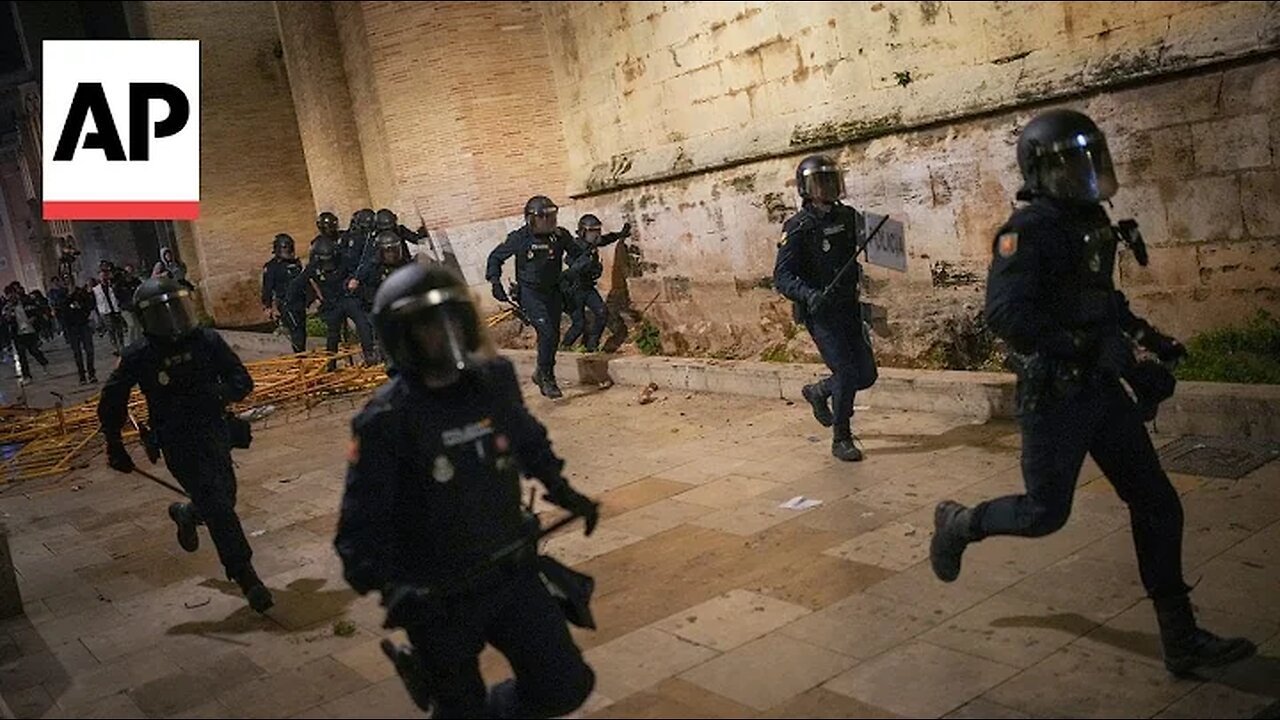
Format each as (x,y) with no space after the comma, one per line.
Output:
(1052,298)
(432,509)
(188,376)
(352,242)
(328,277)
(327,225)
(388,255)
(277,275)
(582,255)
(817,244)
(539,248)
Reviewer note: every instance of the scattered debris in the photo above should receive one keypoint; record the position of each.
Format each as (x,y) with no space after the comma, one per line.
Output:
(344,628)
(688,396)
(646,395)
(257,533)
(812,438)
(76,488)
(790,403)
(911,530)
(800,502)
(605,385)
(192,605)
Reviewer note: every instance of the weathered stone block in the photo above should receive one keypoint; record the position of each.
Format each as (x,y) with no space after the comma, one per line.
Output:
(1232,144)
(1205,208)
(1239,265)
(1251,88)
(1260,197)
(1170,267)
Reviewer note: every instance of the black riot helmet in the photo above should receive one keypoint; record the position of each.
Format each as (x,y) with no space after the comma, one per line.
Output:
(540,215)
(390,248)
(385,220)
(426,317)
(165,309)
(819,179)
(282,246)
(327,223)
(1063,154)
(362,220)
(590,228)
(323,253)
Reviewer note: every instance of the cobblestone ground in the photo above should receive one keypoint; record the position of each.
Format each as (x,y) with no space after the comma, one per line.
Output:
(712,600)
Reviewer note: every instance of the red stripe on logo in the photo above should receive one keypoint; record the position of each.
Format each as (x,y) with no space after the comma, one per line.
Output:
(123,210)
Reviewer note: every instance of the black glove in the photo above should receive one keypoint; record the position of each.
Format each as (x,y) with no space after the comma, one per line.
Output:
(626,231)
(1165,347)
(406,605)
(1115,355)
(817,302)
(500,293)
(118,458)
(576,503)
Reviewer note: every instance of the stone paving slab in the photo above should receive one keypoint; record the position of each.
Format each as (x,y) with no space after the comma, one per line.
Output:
(712,600)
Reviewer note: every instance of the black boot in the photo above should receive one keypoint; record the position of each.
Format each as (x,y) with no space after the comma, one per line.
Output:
(255,592)
(546,383)
(951,533)
(819,401)
(184,518)
(1187,646)
(843,448)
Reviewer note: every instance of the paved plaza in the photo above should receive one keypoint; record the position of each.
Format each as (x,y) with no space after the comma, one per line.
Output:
(712,600)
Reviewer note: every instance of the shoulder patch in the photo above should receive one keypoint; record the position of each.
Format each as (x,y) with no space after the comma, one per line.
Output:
(1007,244)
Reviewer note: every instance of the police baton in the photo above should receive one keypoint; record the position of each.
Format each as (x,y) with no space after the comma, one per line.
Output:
(158,481)
(840,275)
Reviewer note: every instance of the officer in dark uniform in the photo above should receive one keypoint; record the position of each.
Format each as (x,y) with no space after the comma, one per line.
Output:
(327,224)
(385,219)
(330,278)
(578,283)
(388,255)
(352,242)
(433,495)
(278,274)
(188,375)
(1051,297)
(539,248)
(816,244)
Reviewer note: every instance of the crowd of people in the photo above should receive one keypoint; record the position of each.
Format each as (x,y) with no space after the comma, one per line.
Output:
(100,306)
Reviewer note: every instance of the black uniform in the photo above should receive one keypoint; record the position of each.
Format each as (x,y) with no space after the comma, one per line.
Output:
(812,251)
(277,276)
(75,310)
(188,384)
(1051,296)
(337,303)
(432,490)
(539,264)
(579,288)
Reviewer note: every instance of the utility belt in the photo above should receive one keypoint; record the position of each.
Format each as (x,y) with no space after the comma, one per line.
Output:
(1043,379)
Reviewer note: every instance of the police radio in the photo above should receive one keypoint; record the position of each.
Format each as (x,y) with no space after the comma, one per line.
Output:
(1132,236)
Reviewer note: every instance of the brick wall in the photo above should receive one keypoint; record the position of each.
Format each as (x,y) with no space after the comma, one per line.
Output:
(469,110)
(322,102)
(253,173)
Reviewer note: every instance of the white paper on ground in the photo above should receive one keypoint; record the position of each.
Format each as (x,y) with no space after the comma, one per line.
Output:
(800,502)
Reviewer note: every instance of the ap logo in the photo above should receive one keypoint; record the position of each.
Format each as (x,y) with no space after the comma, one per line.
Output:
(121,130)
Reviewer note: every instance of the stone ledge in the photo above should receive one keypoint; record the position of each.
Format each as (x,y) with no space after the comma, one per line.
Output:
(1197,408)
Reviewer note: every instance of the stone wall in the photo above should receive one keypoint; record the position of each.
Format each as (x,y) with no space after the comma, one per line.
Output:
(709,179)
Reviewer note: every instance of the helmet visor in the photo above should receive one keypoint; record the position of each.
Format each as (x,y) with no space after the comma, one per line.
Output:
(1078,168)
(442,330)
(823,184)
(591,233)
(543,222)
(171,315)
(391,253)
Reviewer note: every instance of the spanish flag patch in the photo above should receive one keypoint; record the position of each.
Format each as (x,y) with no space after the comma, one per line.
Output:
(1007,244)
